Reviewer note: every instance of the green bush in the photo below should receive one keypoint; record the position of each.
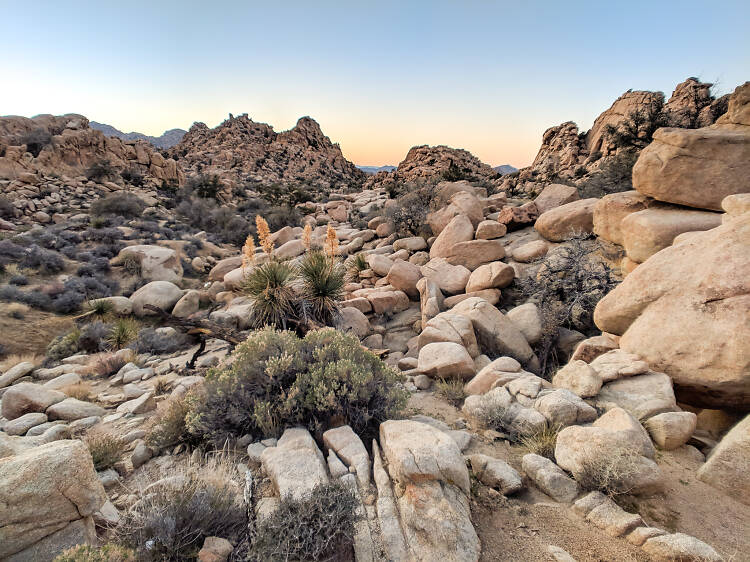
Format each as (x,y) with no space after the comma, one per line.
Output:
(318,527)
(272,292)
(101,170)
(278,380)
(409,212)
(322,286)
(63,345)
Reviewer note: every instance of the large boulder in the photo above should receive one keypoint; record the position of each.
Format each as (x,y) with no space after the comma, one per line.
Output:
(450,327)
(460,203)
(161,294)
(555,195)
(563,222)
(445,360)
(449,278)
(727,467)
(646,232)
(612,209)
(27,397)
(404,276)
(473,253)
(699,167)
(490,275)
(685,312)
(459,229)
(295,465)
(496,334)
(48,496)
(157,262)
(430,299)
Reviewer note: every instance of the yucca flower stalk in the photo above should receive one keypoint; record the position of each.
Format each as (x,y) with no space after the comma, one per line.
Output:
(248,252)
(264,235)
(307,236)
(332,242)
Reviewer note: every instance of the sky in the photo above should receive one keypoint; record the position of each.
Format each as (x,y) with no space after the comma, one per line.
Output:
(379,77)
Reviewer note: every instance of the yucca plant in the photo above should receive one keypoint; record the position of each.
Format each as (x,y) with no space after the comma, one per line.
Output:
(322,286)
(124,331)
(354,265)
(100,307)
(272,292)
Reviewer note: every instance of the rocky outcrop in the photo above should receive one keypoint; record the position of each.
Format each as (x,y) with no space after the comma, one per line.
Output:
(240,151)
(727,466)
(685,311)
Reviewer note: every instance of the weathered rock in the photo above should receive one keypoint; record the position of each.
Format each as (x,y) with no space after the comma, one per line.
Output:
(610,211)
(489,230)
(352,319)
(72,409)
(564,222)
(727,466)
(388,301)
(22,424)
(550,478)
(44,491)
(140,405)
(679,546)
(223,267)
(430,299)
(215,549)
(295,465)
(459,229)
(26,397)
(449,278)
(445,360)
(691,322)
(497,373)
(404,277)
(527,319)
(591,348)
(671,429)
(578,377)
(491,275)
(161,294)
(518,217)
(349,448)
(496,473)
(450,327)
(642,395)
(555,195)
(157,262)
(473,253)
(617,363)
(614,520)
(530,251)
(562,408)
(188,304)
(380,264)
(14,373)
(646,232)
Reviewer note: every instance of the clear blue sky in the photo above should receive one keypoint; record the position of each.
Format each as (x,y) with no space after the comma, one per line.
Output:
(379,77)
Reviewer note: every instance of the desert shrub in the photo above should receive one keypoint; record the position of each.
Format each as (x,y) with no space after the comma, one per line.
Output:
(93,337)
(638,128)
(18,280)
(106,449)
(319,526)
(203,185)
(101,170)
(106,553)
(6,208)
(35,140)
(285,195)
(121,203)
(161,385)
(131,263)
(133,176)
(100,307)
(171,521)
(222,222)
(272,292)
(63,345)
(570,281)
(79,391)
(322,280)
(455,173)
(541,442)
(150,340)
(106,364)
(451,390)
(354,265)
(612,473)
(278,380)
(614,175)
(104,235)
(409,213)
(169,428)
(45,261)
(10,252)
(281,216)
(16,310)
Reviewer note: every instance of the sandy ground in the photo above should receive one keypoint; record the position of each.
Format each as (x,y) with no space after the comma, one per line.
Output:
(521,527)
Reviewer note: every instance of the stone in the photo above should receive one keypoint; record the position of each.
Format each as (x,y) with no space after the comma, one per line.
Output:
(44,490)
(22,424)
(161,294)
(611,209)
(617,363)
(26,397)
(614,520)
(559,555)
(223,267)
(349,448)
(462,203)
(694,167)
(413,244)
(489,230)
(72,409)
(449,278)
(141,454)
(515,218)
(492,296)
(496,334)
(188,304)
(459,229)
(549,478)
(639,535)
(215,549)
(489,276)
(679,546)
(591,348)
(352,320)
(578,377)
(726,468)
(473,253)
(562,408)
(140,405)
(157,262)
(671,429)
(566,221)
(59,383)
(737,204)
(646,232)
(380,264)
(388,301)
(530,251)
(295,465)
(497,373)
(642,395)
(691,322)
(422,382)
(404,277)
(496,473)
(445,360)
(16,372)
(527,319)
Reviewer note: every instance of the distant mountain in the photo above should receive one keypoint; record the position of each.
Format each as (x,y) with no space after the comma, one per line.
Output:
(167,140)
(376,169)
(505,169)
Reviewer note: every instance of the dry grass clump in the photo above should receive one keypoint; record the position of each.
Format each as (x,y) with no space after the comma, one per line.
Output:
(175,515)
(106,553)
(161,385)
(79,391)
(106,364)
(451,390)
(168,427)
(541,442)
(106,449)
(16,358)
(613,473)
(317,527)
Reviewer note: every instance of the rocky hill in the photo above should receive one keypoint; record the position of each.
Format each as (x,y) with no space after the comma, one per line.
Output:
(166,140)
(504,169)
(376,169)
(242,152)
